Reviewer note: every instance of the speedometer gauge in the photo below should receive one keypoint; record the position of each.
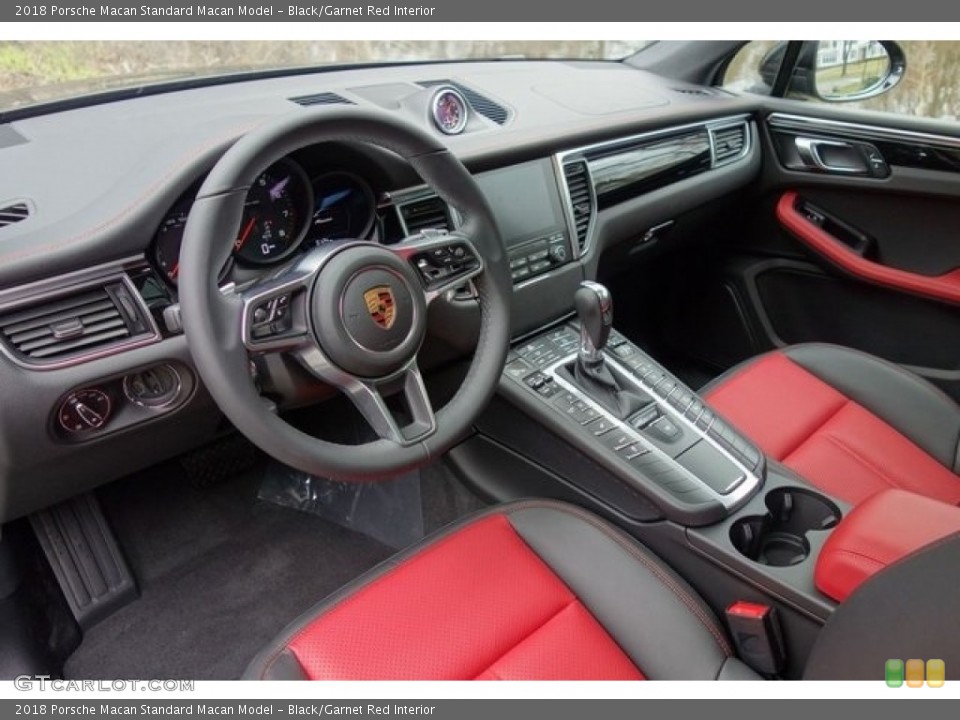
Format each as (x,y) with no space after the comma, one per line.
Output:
(275,215)
(449,110)
(343,207)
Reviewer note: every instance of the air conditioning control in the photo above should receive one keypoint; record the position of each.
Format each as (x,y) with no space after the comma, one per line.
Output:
(84,410)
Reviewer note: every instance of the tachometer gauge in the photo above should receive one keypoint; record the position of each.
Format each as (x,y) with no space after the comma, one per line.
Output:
(166,247)
(449,110)
(275,216)
(169,238)
(343,207)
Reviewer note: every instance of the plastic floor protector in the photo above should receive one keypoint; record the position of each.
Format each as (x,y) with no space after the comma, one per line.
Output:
(389,511)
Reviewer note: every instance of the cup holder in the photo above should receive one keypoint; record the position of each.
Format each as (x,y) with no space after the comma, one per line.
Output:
(779,538)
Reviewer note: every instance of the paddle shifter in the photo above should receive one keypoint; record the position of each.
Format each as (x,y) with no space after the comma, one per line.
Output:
(590,372)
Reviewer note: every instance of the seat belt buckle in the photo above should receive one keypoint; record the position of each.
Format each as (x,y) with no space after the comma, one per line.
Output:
(755,629)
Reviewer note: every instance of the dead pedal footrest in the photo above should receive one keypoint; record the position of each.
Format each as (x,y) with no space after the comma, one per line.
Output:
(85,558)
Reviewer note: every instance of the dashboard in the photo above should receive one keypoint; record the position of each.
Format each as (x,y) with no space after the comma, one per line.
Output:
(578,161)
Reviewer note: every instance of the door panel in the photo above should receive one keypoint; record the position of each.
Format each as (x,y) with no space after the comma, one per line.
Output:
(863,257)
(867,256)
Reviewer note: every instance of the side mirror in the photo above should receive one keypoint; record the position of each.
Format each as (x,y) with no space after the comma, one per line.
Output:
(849,70)
(839,70)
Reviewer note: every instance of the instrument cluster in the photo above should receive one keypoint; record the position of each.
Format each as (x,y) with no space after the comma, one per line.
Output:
(287,210)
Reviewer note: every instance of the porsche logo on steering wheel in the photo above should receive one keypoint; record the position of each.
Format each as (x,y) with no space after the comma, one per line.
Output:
(381,305)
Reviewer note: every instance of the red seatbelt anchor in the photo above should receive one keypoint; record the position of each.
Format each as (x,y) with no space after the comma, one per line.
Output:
(755,630)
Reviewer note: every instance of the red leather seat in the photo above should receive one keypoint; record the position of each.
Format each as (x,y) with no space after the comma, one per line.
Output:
(848,422)
(534,590)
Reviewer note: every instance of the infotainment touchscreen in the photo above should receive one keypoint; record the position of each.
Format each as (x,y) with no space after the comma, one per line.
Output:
(526,201)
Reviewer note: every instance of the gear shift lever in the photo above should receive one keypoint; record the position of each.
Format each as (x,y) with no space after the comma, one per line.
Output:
(595,311)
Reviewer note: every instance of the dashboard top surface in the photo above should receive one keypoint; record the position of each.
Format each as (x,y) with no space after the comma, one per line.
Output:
(101,178)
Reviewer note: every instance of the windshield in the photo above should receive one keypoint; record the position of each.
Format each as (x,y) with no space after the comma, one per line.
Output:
(40,72)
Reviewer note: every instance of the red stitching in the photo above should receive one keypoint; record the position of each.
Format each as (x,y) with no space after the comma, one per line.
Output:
(182,162)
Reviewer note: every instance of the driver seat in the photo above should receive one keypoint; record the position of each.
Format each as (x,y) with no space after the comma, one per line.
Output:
(533,590)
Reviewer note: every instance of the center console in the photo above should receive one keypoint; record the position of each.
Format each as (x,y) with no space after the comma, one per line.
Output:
(590,417)
(651,430)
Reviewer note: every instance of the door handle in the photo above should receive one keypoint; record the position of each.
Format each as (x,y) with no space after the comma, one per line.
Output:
(831,156)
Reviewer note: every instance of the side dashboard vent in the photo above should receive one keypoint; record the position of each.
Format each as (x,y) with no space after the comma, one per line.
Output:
(729,143)
(14,213)
(429,213)
(582,201)
(325,98)
(74,325)
(480,103)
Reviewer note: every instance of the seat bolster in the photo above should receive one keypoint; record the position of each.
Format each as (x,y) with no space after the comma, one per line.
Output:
(283,666)
(908,610)
(734,669)
(909,404)
(655,617)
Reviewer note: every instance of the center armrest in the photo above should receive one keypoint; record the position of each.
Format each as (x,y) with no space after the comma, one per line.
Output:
(882,530)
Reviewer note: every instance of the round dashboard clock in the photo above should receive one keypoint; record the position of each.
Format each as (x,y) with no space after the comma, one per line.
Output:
(449,110)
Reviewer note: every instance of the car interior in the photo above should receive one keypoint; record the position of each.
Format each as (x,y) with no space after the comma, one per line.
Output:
(497,369)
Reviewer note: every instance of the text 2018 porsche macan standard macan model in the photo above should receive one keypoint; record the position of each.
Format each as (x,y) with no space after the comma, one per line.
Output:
(672,370)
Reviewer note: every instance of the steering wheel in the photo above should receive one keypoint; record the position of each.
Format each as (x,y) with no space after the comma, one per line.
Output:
(353,313)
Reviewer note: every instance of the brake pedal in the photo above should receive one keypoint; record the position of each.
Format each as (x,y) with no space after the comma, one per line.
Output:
(85,558)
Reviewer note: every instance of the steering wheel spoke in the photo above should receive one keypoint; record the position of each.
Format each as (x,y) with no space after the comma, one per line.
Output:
(370,398)
(442,260)
(275,313)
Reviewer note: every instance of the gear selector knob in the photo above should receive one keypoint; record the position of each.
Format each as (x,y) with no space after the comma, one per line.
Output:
(595,311)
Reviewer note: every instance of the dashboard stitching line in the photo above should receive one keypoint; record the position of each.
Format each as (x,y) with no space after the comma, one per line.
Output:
(181,163)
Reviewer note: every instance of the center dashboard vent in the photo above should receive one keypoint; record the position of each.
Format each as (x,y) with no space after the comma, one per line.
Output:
(582,203)
(430,213)
(13,213)
(76,324)
(324,98)
(729,143)
(480,103)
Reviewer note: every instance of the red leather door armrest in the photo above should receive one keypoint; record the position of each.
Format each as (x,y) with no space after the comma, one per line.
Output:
(881,530)
(940,287)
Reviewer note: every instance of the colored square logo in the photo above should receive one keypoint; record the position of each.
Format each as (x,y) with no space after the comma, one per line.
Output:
(936,673)
(893,672)
(914,673)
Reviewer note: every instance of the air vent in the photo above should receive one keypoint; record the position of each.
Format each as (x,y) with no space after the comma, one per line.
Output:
(78,324)
(729,143)
(430,213)
(14,213)
(480,103)
(581,198)
(325,98)
(692,91)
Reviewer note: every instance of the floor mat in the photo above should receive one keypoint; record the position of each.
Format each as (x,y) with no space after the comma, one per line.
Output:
(221,574)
